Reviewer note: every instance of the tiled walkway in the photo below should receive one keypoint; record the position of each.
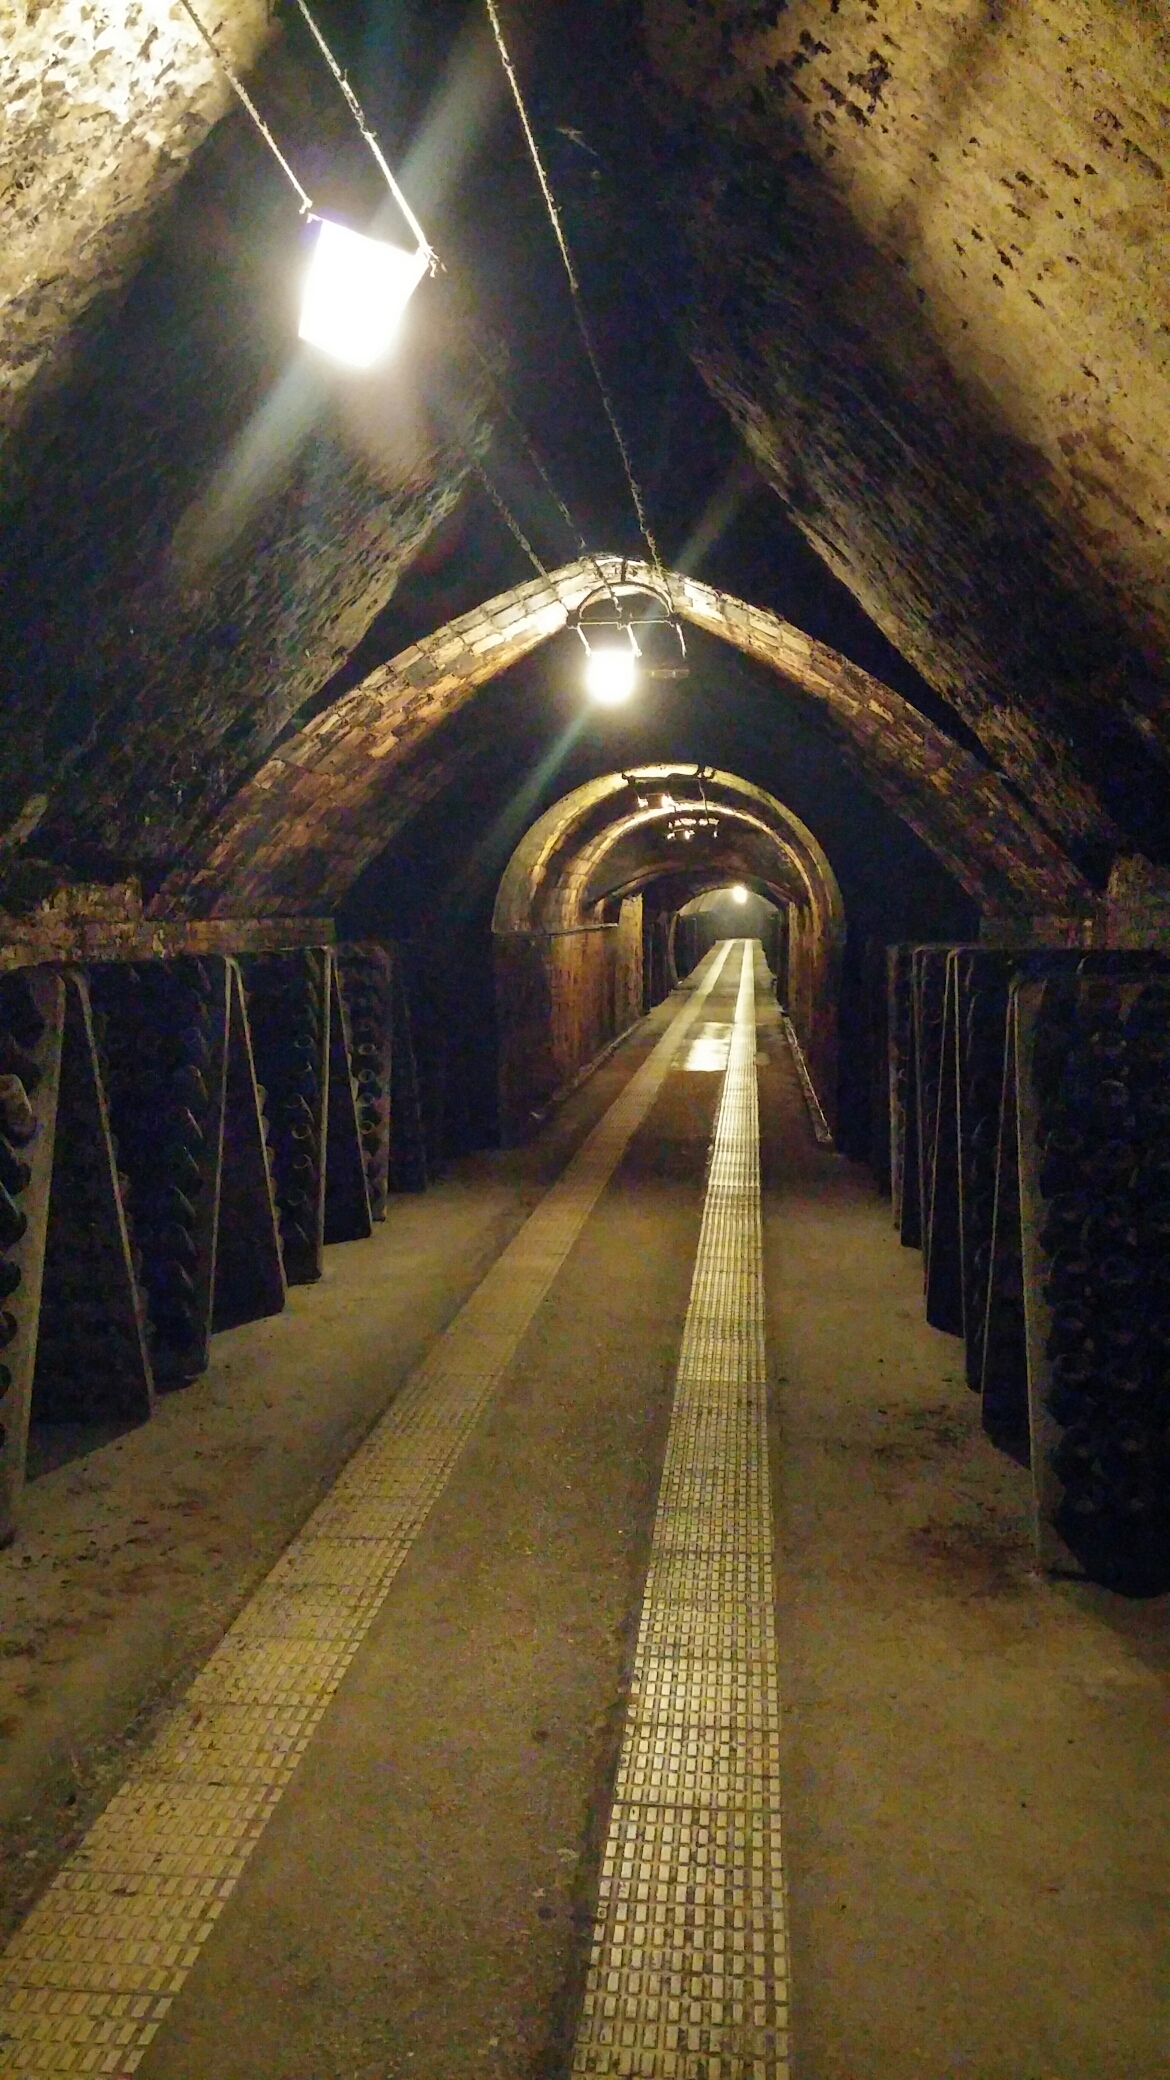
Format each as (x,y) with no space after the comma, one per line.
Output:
(689,1972)
(89,1980)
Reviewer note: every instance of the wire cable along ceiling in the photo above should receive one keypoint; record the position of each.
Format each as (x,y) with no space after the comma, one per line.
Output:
(612,648)
(356,287)
(582,321)
(355,292)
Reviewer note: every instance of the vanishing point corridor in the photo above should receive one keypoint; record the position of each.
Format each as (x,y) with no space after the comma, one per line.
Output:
(584,1040)
(528,1757)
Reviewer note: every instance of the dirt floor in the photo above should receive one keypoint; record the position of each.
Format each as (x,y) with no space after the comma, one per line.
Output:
(976,1762)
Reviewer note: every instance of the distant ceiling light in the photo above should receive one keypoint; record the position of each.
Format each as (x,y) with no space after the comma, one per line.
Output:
(356,291)
(739,893)
(611,668)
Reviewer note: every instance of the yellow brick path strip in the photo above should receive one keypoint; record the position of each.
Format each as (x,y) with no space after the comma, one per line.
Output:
(88,1980)
(689,1976)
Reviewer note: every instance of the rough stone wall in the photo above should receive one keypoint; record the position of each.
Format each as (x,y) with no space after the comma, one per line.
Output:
(103,107)
(205,521)
(917,248)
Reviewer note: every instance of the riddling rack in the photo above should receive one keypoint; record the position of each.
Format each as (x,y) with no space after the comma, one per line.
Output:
(928,975)
(979,981)
(936,1062)
(366,1006)
(32,1026)
(1044,1196)
(903,1109)
(1091,1064)
(179,1138)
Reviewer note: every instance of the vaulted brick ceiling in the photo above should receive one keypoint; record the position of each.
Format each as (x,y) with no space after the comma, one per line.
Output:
(620,835)
(331,797)
(915,250)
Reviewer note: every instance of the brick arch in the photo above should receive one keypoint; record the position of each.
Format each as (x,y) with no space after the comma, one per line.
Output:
(557,871)
(297,836)
(570,972)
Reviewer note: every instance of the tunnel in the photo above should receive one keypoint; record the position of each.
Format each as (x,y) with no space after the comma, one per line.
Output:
(588,909)
(584,1036)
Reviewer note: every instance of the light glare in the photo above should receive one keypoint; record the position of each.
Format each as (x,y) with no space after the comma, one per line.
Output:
(609,674)
(355,293)
(739,893)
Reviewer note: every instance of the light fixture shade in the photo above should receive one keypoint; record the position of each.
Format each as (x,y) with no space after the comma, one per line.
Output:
(355,293)
(610,671)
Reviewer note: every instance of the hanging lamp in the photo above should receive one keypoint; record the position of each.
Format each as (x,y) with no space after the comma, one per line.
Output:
(355,292)
(627,630)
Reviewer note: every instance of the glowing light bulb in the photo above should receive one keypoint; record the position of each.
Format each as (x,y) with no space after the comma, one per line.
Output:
(610,673)
(355,292)
(739,893)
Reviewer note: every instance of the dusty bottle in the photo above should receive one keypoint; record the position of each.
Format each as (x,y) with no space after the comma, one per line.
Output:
(16,1060)
(13,1222)
(17,1119)
(15,1174)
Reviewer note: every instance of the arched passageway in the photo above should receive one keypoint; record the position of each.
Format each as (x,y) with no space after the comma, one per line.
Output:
(584,917)
(524,1547)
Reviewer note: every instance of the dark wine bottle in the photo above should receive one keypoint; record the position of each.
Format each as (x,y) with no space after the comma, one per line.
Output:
(16,1060)
(18,1121)
(1067,1277)
(177,1325)
(20,1013)
(13,1222)
(175,1240)
(178,1206)
(1110,1224)
(194,1047)
(1074,1459)
(183,1169)
(1069,1331)
(1065,1219)
(15,1173)
(173,1279)
(1117,1274)
(1109,1165)
(1062,1156)
(187,1084)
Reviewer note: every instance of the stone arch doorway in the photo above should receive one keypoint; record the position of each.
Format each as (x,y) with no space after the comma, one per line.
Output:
(583,920)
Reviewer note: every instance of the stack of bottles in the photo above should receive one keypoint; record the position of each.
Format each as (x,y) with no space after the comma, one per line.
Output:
(158,1046)
(903,1105)
(1101,1076)
(365,975)
(930,969)
(287,1009)
(90,1362)
(981,1047)
(21,1031)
